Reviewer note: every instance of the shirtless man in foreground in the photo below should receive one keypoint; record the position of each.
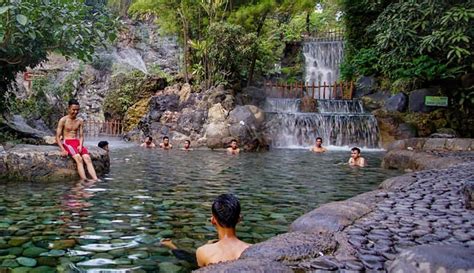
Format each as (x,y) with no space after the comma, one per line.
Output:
(356,159)
(318,148)
(233,149)
(71,129)
(225,216)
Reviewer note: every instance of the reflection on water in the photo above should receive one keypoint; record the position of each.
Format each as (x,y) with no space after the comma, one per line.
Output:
(116,223)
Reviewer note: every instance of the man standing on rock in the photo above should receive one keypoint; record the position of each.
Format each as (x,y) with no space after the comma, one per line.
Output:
(71,130)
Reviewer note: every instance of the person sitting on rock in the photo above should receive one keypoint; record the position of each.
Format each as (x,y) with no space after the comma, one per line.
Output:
(225,216)
(233,148)
(187,146)
(104,145)
(318,148)
(148,143)
(356,159)
(71,131)
(166,145)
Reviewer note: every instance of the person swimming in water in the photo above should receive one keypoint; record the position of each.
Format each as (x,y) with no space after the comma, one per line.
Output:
(356,159)
(104,145)
(166,145)
(148,143)
(233,148)
(187,146)
(318,147)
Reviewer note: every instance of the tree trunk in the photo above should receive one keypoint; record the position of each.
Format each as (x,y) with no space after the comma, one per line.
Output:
(307,22)
(254,53)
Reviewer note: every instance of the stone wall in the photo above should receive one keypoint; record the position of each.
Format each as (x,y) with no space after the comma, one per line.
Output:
(416,154)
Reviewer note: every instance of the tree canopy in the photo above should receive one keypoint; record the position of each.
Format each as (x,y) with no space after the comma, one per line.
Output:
(29,29)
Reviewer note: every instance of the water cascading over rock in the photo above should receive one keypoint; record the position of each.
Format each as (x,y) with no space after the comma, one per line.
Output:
(322,60)
(338,122)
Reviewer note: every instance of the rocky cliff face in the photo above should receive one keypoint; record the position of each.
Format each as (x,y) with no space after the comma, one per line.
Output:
(207,118)
(139,47)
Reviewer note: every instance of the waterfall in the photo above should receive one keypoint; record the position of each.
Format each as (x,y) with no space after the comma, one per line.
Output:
(322,59)
(131,58)
(338,122)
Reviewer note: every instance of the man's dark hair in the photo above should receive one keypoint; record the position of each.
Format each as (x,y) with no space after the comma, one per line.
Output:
(319,138)
(187,141)
(102,144)
(151,139)
(356,149)
(233,140)
(72,102)
(165,137)
(226,210)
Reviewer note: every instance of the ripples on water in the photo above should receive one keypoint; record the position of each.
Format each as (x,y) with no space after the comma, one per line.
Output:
(151,194)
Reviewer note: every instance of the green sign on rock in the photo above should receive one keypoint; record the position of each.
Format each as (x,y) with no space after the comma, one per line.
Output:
(436,101)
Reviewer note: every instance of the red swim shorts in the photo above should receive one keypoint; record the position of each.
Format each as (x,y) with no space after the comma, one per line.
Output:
(71,146)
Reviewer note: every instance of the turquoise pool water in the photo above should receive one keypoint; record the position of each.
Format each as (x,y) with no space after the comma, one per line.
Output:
(114,225)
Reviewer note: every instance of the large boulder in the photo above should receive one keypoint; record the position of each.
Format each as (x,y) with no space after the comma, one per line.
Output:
(417,100)
(191,121)
(19,125)
(365,86)
(215,133)
(434,258)
(161,103)
(245,124)
(331,217)
(292,247)
(217,113)
(42,163)
(397,102)
(375,101)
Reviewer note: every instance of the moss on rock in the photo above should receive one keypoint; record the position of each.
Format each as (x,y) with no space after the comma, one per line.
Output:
(135,113)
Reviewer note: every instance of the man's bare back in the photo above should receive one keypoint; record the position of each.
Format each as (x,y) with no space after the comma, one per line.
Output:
(226,249)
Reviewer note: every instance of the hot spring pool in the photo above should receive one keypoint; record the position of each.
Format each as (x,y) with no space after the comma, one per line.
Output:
(115,223)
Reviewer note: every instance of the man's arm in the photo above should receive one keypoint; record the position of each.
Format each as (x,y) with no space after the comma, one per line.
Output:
(81,135)
(59,133)
(363,163)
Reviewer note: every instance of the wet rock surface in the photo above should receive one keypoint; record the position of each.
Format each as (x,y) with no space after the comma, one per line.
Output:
(434,258)
(43,163)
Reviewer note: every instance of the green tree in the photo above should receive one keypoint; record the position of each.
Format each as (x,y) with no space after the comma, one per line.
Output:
(29,29)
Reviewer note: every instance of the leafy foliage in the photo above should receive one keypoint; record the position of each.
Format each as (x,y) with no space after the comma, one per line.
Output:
(412,40)
(31,28)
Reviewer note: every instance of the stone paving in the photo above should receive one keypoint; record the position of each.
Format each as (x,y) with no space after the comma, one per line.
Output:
(428,211)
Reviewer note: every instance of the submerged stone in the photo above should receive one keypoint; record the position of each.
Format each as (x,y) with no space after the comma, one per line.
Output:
(167,267)
(33,252)
(10,263)
(26,261)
